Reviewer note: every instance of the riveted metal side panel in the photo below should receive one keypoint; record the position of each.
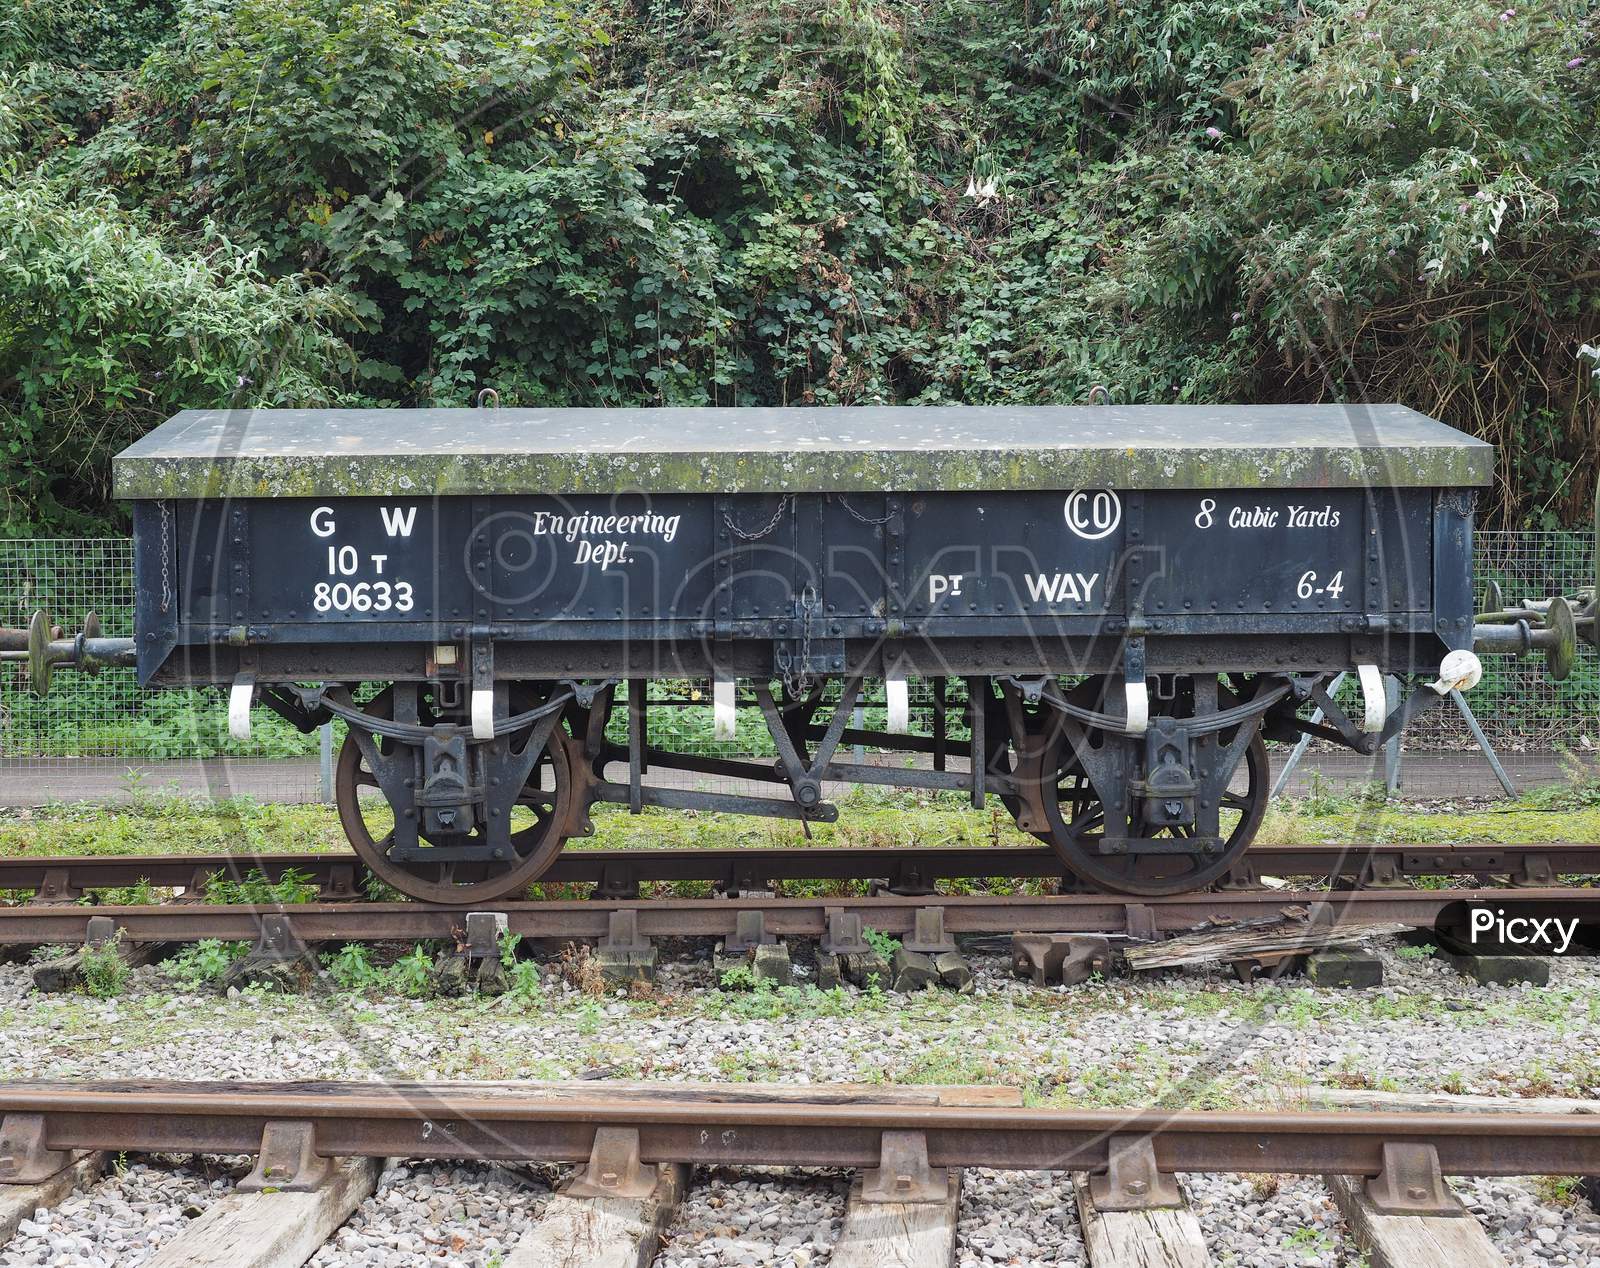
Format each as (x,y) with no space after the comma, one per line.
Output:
(631,557)
(1453,597)
(981,555)
(767,578)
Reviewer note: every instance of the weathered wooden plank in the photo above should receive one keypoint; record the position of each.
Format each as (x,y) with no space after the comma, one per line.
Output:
(899,1234)
(1411,1241)
(585,1090)
(1360,1099)
(999,1095)
(18,1202)
(601,1232)
(271,1230)
(1208,946)
(1139,1239)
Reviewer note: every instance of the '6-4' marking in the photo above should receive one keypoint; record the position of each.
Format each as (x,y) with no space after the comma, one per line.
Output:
(1307,585)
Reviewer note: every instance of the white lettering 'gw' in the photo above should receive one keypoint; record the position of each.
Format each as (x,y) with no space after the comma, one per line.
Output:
(398,521)
(1062,586)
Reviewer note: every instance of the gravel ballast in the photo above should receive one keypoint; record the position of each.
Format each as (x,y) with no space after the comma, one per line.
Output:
(117,1223)
(427,1212)
(1198,1039)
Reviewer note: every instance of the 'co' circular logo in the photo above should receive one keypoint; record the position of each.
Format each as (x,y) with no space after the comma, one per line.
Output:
(1093,513)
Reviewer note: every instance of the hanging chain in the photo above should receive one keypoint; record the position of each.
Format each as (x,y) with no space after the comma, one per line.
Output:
(166,556)
(855,514)
(761,532)
(797,678)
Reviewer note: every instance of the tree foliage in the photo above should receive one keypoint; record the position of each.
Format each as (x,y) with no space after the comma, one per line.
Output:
(776,201)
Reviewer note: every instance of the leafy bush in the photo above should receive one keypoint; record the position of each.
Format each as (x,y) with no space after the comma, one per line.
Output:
(412,974)
(774,202)
(106,328)
(293,886)
(524,981)
(1408,209)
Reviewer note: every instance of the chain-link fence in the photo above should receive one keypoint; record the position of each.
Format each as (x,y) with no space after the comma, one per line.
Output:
(103,737)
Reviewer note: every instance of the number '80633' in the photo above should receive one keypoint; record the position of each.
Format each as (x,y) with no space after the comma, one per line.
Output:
(363,596)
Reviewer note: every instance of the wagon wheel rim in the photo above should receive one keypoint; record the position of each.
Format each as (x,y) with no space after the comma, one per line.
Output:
(1077,819)
(546,793)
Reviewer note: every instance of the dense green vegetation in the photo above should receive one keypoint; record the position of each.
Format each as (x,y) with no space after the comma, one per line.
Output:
(206,202)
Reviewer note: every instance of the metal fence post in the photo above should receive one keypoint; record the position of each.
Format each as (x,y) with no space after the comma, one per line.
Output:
(325,759)
(1391,750)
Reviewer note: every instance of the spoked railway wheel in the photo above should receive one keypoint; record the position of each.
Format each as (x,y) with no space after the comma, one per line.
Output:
(1076,820)
(538,830)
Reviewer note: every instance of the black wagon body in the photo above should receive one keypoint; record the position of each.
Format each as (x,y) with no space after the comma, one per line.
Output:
(1079,572)
(989,541)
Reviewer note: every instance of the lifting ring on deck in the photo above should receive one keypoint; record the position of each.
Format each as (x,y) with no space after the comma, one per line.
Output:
(546,796)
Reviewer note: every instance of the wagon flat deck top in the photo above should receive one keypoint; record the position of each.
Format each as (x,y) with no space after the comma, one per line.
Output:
(392,452)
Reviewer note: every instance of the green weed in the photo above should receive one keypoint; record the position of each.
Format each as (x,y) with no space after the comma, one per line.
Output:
(103,970)
(352,969)
(203,963)
(293,886)
(412,974)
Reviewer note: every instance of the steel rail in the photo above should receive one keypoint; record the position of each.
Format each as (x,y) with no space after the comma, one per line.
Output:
(617,870)
(785,917)
(460,1122)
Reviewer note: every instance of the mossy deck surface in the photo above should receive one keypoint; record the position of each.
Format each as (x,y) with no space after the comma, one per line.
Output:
(443,452)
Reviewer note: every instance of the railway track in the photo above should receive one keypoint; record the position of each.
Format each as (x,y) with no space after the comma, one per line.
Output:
(1063,937)
(620,873)
(895,914)
(635,1144)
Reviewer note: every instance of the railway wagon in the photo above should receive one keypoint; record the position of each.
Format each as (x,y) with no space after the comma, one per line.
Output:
(1116,607)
